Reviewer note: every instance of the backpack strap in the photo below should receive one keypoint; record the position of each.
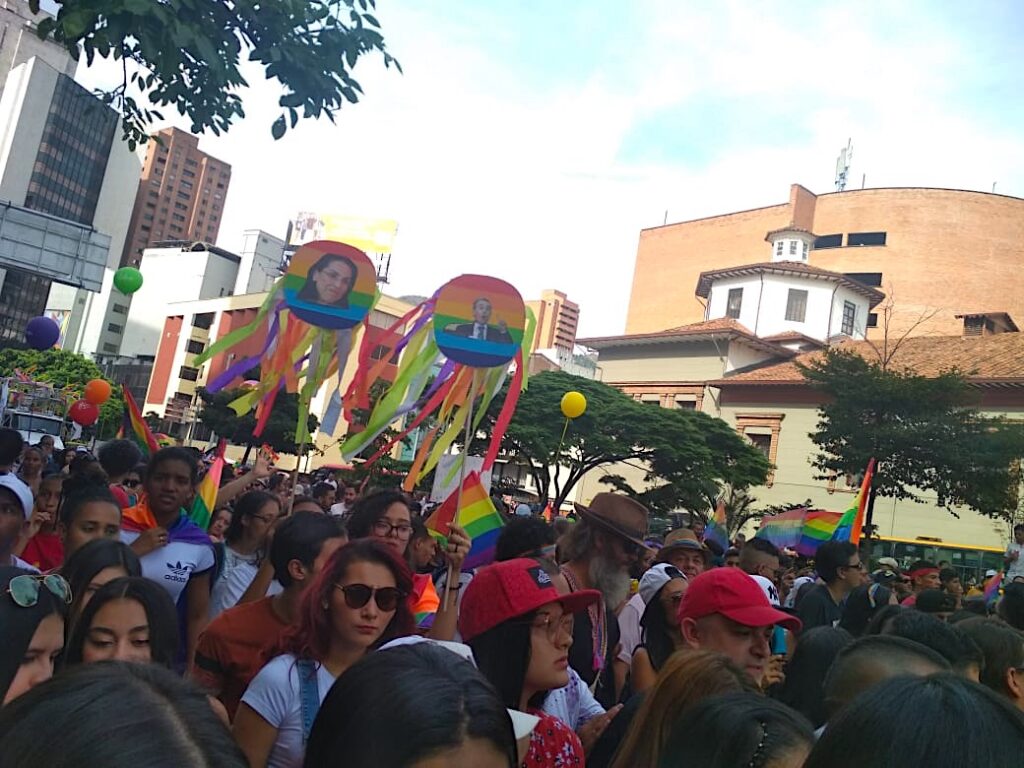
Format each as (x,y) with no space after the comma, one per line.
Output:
(309,695)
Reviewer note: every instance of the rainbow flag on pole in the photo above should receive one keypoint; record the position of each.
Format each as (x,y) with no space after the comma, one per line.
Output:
(849,527)
(716,530)
(992,588)
(134,427)
(783,530)
(476,515)
(206,494)
(819,527)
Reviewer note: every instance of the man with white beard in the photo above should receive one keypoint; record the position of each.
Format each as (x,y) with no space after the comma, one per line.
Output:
(598,551)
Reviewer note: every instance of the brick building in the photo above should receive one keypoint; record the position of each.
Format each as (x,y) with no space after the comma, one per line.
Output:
(941,251)
(181,194)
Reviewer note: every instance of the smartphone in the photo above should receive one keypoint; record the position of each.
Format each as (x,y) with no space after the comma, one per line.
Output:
(778,641)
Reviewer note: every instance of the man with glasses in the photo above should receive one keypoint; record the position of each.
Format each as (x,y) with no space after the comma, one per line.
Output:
(839,566)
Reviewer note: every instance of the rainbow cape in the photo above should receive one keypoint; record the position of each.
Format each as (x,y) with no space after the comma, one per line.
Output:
(992,588)
(134,427)
(716,529)
(849,526)
(206,494)
(476,515)
(140,518)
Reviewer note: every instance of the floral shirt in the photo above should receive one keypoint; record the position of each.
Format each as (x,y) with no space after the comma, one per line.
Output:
(553,744)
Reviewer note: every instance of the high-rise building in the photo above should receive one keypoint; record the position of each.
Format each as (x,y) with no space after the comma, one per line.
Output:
(557,320)
(262,256)
(19,41)
(180,194)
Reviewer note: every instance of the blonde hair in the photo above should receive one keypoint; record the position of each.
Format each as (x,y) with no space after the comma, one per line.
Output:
(688,677)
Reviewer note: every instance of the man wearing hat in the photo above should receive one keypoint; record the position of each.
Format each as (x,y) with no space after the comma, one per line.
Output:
(725,610)
(15,509)
(599,551)
(685,551)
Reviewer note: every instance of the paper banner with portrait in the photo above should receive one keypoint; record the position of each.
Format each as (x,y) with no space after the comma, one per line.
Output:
(479,321)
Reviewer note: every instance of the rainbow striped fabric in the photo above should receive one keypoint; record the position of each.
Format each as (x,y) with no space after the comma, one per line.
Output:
(134,427)
(850,524)
(476,515)
(992,588)
(783,530)
(716,530)
(819,527)
(206,494)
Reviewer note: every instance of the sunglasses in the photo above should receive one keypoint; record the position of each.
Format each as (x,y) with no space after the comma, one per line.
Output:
(358,595)
(24,590)
(131,483)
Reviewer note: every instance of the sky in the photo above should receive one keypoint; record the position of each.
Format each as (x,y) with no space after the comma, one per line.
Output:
(533,140)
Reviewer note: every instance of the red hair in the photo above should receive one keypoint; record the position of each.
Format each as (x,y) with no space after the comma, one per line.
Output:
(311,637)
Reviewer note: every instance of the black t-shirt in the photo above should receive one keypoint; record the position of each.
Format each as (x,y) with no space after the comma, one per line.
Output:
(818,609)
(581,656)
(608,743)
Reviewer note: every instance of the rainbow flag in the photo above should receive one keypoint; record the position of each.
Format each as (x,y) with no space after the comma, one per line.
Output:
(206,494)
(133,427)
(476,515)
(783,530)
(716,530)
(819,527)
(426,602)
(992,588)
(850,523)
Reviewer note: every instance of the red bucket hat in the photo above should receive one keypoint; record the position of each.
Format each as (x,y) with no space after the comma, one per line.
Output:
(735,595)
(512,588)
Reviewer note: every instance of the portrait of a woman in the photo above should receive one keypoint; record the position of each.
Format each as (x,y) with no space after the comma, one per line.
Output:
(329,281)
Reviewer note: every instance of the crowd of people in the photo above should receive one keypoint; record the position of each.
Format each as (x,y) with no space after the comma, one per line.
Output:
(317,624)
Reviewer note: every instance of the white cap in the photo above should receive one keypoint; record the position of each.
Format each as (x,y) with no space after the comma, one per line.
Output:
(990,573)
(523,510)
(889,562)
(768,587)
(21,491)
(656,577)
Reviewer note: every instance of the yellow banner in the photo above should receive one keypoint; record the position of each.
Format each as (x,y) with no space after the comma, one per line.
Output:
(370,235)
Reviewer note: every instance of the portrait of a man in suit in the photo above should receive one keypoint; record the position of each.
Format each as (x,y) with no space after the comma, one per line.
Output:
(481,328)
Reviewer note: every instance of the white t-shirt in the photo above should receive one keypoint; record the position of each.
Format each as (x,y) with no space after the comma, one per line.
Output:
(1017,566)
(274,695)
(340,509)
(574,704)
(629,627)
(234,579)
(173,564)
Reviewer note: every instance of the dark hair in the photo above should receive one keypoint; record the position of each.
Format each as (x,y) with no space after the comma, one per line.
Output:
(883,616)
(301,537)
(868,660)
(18,625)
(656,632)
(175,453)
(955,722)
(430,696)
(935,601)
(80,490)
(277,480)
(1018,527)
(862,604)
(308,290)
(94,556)
(85,464)
(733,552)
(419,529)
(46,726)
(161,615)
(814,655)
(11,444)
(369,509)
(1001,646)
(919,564)
(756,547)
(248,505)
(1011,605)
(523,536)
(736,729)
(502,654)
(321,489)
(929,631)
(830,557)
(310,638)
(119,457)
(947,575)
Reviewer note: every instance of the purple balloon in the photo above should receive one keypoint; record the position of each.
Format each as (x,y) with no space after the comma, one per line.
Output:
(41,333)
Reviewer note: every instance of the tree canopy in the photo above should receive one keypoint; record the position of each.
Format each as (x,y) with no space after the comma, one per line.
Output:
(926,434)
(685,456)
(185,55)
(279,432)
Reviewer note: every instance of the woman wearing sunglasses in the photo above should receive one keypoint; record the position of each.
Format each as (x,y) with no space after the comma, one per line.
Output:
(386,517)
(31,628)
(357,603)
(520,630)
(245,546)
(661,589)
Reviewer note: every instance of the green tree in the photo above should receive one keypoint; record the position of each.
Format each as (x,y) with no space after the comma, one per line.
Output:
(926,433)
(185,54)
(279,432)
(686,456)
(67,372)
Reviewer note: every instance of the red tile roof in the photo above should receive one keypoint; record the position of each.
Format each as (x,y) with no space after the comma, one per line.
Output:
(786,268)
(723,326)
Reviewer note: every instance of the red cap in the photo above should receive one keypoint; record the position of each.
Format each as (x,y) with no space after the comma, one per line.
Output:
(735,595)
(512,588)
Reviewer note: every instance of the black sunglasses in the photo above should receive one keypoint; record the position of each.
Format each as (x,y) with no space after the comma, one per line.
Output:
(358,595)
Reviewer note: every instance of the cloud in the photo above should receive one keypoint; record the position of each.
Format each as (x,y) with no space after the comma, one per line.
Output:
(533,141)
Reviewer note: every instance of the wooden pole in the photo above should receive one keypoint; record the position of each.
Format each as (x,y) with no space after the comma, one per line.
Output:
(467,436)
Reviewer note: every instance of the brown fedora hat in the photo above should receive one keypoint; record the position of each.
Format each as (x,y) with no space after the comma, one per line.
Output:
(684,538)
(619,514)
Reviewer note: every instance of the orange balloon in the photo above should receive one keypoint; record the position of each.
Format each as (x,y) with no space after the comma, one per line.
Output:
(97,391)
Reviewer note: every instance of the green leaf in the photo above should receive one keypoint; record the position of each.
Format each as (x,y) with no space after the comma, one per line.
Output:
(279,127)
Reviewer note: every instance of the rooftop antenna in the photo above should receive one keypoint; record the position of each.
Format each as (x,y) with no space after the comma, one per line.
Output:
(843,165)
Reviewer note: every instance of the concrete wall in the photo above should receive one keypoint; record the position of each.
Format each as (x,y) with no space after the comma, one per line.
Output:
(261,260)
(664,362)
(24,106)
(19,41)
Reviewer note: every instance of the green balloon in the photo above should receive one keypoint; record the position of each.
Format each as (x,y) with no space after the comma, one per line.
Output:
(127,280)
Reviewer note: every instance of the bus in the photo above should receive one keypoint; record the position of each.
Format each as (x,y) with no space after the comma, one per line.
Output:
(970,561)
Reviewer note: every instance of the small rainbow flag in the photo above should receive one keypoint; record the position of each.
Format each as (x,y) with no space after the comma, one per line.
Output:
(783,530)
(206,494)
(426,601)
(992,588)
(476,515)
(716,530)
(819,527)
(850,523)
(134,427)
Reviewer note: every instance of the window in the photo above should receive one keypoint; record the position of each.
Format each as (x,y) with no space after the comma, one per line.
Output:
(735,301)
(188,373)
(849,317)
(803,251)
(763,431)
(792,247)
(866,238)
(194,347)
(686,405)
(114,328)
(763,443)
(778,248)
(120,309)
(796,305)
(873,279)
(872,319)
(110,348)
(203,320)
(828,241)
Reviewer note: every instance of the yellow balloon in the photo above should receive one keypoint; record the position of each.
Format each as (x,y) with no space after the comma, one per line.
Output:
(574,404)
